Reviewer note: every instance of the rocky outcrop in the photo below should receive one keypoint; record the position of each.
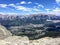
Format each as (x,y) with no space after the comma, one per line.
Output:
(46,41)
(18,40)
(4,32)
(15,40)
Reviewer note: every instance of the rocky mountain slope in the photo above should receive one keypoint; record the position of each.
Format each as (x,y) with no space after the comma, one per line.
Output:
(34,26)
(4,32)
(16,20)
(7,39)
(18,40)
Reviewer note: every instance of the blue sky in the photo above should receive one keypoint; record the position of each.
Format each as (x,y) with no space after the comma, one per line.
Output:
(29,6)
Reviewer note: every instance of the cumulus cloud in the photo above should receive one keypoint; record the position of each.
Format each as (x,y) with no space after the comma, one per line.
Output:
(47,10)
(3,5)
(36,3)
(22,8)
(13,5)
(29,2)
(26,9)
(8,13)
(36,10)
(55,11)
(58,2)
(19,7)
(40,5)
(22,2)
(2,13)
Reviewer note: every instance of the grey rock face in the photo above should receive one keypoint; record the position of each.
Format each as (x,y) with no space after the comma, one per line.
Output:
(4,32)
(17,40)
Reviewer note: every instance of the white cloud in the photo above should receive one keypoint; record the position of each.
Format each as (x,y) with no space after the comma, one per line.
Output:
(3,5)
(29,2)
(55,11)
(19,7)
(22,2)
(40,5)
(58,2)
(2,13)
(36,3)
(47,10)
(35,9)
(13,5)
(22,8)
(8,13)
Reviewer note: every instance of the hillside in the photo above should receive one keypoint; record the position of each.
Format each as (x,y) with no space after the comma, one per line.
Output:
(18,40)
(15,20)
(34,26)
(6,38)
(4,32)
